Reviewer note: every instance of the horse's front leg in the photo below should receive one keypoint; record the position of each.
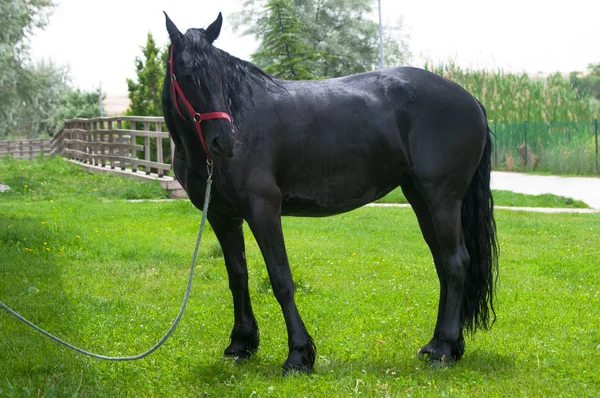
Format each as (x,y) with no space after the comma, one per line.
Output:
(244,336)
(265,223)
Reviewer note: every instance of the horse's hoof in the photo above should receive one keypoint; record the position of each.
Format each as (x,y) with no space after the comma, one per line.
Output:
(438,360)
(239,354)
(294,370)
(424,352)
(300,360)
(238,358)
(436,351)
(242,346)
(440,363)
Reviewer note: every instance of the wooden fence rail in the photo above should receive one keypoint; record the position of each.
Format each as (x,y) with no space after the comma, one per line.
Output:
(126,142)
(25,149)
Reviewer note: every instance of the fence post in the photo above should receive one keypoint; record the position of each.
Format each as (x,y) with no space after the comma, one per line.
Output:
(147,152)
(133,141)
(101,144)
(90,139)
(121,142)
(159,147)
(526,150)
(596,134)
(111,144)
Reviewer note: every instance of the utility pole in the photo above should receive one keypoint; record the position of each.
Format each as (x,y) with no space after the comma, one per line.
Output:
(381,63)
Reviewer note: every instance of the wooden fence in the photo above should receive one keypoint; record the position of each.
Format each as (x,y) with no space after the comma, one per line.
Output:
(133,143)
(25,149)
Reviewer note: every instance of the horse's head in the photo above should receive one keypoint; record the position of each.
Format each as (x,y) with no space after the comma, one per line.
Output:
(196,94)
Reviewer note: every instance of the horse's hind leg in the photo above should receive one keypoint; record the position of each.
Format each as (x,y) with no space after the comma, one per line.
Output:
(439,219)
(426,224)
(244,336)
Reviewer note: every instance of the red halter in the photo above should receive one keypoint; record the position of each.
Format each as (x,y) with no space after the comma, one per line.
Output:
(198,117)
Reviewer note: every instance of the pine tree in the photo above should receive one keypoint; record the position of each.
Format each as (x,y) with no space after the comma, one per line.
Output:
(144,95)
(339,31)
(285,53)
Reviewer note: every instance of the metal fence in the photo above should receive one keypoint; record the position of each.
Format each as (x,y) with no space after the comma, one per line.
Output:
(555,147)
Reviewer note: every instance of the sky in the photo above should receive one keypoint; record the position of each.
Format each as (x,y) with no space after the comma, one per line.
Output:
(99,40)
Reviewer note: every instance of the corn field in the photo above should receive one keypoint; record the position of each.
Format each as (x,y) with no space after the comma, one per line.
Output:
(510,97)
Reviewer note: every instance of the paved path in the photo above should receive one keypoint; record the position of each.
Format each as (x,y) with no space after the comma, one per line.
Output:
(586,189)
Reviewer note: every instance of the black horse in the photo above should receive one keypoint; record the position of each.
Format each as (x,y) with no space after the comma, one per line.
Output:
(318,148)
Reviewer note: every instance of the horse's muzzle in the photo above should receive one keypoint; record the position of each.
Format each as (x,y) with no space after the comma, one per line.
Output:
(221,148)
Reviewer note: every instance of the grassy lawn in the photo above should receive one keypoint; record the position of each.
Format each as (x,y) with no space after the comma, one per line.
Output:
(53,178)
(109,276)
(508,198)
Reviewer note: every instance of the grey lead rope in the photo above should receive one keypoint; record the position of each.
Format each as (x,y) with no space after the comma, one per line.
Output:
(175,323)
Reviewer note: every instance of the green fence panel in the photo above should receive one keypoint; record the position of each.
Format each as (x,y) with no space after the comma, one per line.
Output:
(555,147)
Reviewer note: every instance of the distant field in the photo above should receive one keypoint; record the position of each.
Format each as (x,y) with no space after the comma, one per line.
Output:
(109,275)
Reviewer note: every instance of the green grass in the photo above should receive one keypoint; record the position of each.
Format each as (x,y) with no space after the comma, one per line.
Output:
(507,198)
(53,178)
(109,276)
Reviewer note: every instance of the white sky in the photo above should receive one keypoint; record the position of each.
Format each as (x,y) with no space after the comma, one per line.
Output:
(100,39)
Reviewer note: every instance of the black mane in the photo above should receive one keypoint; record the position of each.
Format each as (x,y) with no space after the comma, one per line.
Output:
(202,60)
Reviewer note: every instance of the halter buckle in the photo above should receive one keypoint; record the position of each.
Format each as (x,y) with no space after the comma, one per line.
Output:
(197,118)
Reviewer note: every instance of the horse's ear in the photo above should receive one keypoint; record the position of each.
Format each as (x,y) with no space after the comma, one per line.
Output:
(174,33)
(212,32)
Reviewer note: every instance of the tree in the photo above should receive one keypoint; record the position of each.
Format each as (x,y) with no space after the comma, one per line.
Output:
(145,93)
(49,103)
(38,114)
(77,103)
(18,85)
(285,52)
(588,83)
(339,30)
(34,98)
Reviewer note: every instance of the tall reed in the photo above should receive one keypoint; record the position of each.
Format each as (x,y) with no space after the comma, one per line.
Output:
(518,97)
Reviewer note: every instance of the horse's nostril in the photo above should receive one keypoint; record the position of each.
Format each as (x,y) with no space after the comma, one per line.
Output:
(221,150)
(217,144)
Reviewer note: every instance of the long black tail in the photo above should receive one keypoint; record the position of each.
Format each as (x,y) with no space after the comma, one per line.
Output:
(479,229)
